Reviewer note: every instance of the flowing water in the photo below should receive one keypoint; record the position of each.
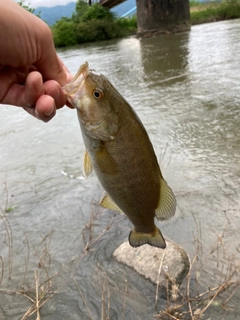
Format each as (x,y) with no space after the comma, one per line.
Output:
(186,90)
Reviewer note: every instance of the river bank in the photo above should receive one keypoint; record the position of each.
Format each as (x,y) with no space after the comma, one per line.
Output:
(215,11)
(79,30)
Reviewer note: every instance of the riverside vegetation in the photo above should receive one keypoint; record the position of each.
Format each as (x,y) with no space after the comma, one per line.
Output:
(94,23)
(91,23)
(214,11)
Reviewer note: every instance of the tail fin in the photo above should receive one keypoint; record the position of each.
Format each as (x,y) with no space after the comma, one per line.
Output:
(155,239)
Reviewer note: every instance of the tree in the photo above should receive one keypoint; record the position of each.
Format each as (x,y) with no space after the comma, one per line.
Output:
(81,8)
(64,33)
(162,16)
(90,23)
(26,7)
(97,12)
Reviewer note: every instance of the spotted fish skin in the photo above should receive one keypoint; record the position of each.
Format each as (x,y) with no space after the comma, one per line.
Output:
(120,152)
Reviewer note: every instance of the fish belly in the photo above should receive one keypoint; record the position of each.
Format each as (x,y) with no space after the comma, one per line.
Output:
(128,171)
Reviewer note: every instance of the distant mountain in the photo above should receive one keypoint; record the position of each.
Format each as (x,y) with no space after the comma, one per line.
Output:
(52,14)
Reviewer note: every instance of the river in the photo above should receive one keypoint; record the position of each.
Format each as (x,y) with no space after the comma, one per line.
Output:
(54,236)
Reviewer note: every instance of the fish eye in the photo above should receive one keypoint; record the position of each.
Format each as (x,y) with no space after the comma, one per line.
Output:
(98,94)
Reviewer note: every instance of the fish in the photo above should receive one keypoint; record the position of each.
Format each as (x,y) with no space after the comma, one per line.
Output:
(119,151)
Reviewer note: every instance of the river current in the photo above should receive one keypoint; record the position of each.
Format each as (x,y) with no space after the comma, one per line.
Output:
(53,235)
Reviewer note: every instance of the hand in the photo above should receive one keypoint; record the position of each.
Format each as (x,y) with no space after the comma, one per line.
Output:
(31,73)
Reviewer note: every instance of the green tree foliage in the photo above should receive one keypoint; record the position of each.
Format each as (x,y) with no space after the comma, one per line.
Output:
(64,33)
(99,30)
(128,24)
(97,12)
(26,7)
(81,8)
(89,23)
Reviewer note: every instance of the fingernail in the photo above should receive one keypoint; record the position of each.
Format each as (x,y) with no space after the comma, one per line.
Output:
(49,111)
(37,114)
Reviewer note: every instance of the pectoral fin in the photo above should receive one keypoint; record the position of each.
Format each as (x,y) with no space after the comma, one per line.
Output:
(87,165)
(108,203)
(105,162)
(167,202)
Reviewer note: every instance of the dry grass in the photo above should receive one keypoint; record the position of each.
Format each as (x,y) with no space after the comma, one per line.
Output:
(42,289)
(39,294)
(193,306)
(203,6)
(106,294)
(43,284)
(89,241)
(185,303)
(8,241)
(181,303)
(88,238)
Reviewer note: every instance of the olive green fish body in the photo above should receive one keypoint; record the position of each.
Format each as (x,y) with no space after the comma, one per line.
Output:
(128,170)
(120,152)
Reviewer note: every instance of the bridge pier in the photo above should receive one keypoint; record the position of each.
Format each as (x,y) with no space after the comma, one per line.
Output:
(162,17)
(158,16)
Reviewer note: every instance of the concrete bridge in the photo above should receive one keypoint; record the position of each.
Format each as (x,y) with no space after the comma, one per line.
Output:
(166,18)
(110,3)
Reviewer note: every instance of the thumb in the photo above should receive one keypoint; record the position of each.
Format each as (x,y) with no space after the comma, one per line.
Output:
(49,64)
(52,68)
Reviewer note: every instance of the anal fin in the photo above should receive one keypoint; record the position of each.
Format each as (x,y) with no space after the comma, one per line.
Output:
(108,203)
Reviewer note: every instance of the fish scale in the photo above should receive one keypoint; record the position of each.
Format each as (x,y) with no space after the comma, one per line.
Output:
(120,152)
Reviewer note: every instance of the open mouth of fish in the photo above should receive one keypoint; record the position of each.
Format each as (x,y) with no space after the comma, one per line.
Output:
(74,89)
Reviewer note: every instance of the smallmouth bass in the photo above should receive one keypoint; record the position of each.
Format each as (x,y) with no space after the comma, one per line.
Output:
(120,152)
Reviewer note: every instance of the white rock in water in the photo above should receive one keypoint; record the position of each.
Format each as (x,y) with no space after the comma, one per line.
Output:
(156,264)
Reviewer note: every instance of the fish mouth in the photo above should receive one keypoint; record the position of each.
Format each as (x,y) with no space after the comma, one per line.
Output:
(74,89)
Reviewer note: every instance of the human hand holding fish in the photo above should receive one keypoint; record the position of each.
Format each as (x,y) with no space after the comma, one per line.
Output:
(120,152)
(118,148)
(31,73)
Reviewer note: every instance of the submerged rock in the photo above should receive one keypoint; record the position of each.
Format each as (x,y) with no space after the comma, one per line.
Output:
(164,267)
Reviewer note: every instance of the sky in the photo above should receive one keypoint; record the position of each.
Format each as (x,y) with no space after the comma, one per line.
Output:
(45,3)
